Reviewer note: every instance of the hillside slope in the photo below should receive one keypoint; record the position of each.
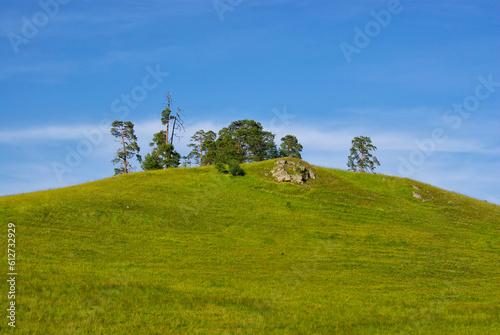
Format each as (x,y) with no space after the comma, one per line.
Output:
(198,252)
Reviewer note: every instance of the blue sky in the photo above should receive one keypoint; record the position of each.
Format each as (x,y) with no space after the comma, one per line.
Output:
(421,78)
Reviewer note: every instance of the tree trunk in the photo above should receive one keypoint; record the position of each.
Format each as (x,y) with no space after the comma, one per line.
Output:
(173,128)
(201,151)
(124,152)
(362,159)
(166,135)
(169,105)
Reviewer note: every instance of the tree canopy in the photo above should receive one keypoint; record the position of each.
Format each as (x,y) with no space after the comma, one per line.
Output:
(124,134)
(199,146)
(290,147)
(360,158)
(242,141)
(166,156)
(163,154)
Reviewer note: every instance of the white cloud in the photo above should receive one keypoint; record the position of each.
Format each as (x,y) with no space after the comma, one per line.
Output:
(49,133)
(310,137)
(340,139)
(443,168)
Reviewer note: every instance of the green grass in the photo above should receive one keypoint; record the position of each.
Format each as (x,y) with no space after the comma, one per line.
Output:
(198,252)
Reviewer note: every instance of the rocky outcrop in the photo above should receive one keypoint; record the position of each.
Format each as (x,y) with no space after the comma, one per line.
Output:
(291,171)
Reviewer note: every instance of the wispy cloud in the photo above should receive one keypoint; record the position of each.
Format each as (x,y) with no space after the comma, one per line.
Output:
(340,139)
(50,133)
(311,136)
(321,146)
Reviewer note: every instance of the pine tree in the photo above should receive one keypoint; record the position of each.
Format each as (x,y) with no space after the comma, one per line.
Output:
(124,132)
(360,158)
(290,147)
(151,162)
(201,141)
(163,154)
(242,141)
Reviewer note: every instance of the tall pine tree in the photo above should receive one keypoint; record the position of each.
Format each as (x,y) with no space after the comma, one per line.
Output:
(163,154)
(290,147)
(200,145)
(124,134)
(360,158)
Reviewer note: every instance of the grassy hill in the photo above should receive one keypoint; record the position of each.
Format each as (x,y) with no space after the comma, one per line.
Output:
(198,252)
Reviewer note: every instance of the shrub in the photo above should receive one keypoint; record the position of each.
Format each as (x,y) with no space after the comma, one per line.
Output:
(221,168)
(235,169)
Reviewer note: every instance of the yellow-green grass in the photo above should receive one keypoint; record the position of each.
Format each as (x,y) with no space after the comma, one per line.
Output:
(197,252)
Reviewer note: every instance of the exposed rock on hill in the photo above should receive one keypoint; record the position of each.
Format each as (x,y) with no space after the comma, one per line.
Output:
(290,171)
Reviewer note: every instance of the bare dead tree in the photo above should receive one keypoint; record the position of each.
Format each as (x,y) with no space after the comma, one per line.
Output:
(178,124)
(166,115)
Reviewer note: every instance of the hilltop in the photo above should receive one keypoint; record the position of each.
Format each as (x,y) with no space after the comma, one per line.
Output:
(195,251)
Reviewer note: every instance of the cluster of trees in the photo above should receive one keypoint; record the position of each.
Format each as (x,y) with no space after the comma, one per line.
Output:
(243,141)
(163,154)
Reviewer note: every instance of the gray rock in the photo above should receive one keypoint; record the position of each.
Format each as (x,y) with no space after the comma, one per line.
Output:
(311,174)
(290,171)
(417,195)
(297,178)
(281,175)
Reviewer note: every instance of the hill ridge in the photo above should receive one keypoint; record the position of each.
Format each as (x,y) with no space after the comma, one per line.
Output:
(196,251)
